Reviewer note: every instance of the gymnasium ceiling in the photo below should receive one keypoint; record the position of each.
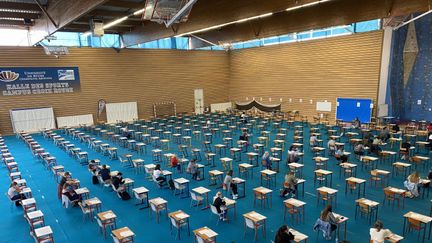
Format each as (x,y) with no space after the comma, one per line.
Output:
(207,20)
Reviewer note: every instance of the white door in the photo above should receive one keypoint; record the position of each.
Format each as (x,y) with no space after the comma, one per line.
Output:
(199,101)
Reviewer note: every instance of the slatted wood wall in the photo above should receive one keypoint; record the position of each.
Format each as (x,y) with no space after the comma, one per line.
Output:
(145,76)
(317,70)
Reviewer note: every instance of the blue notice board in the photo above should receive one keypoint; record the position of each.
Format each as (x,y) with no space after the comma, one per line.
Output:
(349,108)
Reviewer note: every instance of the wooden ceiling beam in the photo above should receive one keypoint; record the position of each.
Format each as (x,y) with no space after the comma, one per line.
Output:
(105,13)
(125,4)
(19,15)
(206,13)
(63,12)
(82,29)
(333,13)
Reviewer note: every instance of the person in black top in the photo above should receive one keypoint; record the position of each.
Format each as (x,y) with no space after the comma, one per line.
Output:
(118,181)
(105,173)
(283,235)
(404,150)
(396,128)
(63,180)
(219,204)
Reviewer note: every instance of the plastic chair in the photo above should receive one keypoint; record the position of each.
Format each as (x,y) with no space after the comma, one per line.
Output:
(215,212)
(195,198)
(178,187)
(85,210)
(177,225)
(255,226)
(103,226)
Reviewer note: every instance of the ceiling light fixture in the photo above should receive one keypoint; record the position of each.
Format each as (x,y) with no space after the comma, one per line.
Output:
(115,22)
(306,5)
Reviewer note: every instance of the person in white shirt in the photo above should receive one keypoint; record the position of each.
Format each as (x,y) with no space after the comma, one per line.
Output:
(331,145)
(292,155)
(378,234)
(313,141)
(14,193)
(243,118)
(157,175)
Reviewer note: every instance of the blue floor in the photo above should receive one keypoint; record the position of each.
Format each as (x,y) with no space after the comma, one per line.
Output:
(69,226)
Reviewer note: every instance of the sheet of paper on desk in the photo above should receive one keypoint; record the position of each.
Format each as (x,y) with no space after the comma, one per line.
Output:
(109,215)
(126,233)
(209,233)
(182,215)
(256,216)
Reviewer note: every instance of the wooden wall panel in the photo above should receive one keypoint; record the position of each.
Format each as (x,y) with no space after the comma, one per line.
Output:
(317,70)
(145,76)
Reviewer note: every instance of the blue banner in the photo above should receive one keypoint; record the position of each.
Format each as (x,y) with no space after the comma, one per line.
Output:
(38,80)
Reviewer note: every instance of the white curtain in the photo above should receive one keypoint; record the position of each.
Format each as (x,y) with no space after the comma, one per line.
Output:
(33,119)
(75,121)
(125,112)
(220,106)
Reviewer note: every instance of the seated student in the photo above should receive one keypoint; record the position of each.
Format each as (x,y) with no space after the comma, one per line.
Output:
(157,175)
(368,140)
(429,128)
(283,235)
(14,193)
(92,165)
(266,160)
(375,147)
(328,216)
(359,149)
(70,193)
(243,118)
(175,163)
(245,137)
(104,173)
(339,154)
(219,204)
(228,184)
(125,132)
(356,123)
(385,134)
(117,181)
(313,141)
(193,169)
(396,128)
(292,155)
(412,183)
(405,150)
(290,185)
(378,234)
(63,180)
(331,145)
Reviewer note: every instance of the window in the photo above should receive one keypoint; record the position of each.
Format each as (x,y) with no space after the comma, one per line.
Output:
(365,26)
(79,40)
(13,37)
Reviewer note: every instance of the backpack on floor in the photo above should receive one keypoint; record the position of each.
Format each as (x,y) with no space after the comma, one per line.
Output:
(95,180)
(171,184)
(124,195)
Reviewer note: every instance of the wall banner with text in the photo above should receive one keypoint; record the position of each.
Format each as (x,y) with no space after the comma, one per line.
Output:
(16,81)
